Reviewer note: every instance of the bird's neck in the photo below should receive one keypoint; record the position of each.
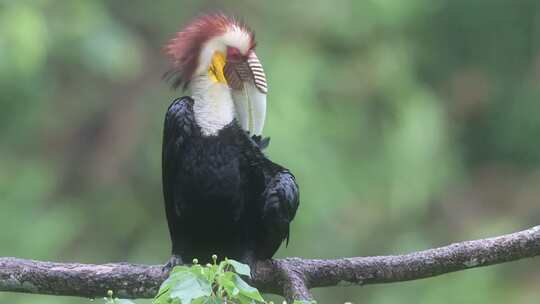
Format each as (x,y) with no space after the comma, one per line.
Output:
(213,106)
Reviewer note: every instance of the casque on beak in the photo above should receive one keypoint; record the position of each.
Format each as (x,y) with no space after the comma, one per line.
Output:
(240,69)
(245,77)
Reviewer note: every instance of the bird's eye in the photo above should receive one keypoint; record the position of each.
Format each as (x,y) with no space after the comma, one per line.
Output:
(233,53)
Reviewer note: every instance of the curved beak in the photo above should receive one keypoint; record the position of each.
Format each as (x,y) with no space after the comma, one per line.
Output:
(247,81)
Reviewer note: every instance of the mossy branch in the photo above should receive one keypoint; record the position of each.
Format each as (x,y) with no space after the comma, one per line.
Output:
(290,277)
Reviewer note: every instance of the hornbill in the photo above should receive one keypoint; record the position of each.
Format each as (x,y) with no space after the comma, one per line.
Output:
(222,194)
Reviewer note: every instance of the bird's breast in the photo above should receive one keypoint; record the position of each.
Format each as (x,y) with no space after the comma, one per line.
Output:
(213,173)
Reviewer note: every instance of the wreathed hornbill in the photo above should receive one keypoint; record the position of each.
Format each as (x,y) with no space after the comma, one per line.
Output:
(222,194)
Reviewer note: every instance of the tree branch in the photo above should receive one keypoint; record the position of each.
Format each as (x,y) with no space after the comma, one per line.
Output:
(290,277)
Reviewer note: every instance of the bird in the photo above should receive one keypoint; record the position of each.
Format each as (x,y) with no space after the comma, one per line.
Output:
(223,196)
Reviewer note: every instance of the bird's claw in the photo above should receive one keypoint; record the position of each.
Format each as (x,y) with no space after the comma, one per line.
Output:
(175,260)
(249,258)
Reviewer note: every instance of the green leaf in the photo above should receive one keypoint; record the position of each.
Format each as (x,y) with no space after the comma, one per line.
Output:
(163,295)
(178,269)
(201,300)
(123,301)
(226,281)
(244,300)
(197,269)
(222,266)
(210,273)
(240,268)
(213,300)
(175,275)
(246,290)
(190,287)
(304,302)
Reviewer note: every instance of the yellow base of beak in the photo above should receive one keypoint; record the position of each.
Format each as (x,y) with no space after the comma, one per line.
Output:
(217,66)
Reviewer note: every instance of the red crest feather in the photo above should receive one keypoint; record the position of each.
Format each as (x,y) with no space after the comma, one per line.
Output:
(185,48)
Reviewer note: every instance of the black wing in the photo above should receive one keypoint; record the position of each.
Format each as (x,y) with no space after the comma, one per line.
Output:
(179,126)
(280,202)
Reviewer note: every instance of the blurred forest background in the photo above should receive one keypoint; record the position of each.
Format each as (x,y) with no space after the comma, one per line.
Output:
(409,125)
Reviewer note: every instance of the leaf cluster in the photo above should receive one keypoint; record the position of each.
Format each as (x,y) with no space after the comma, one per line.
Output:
(209,284)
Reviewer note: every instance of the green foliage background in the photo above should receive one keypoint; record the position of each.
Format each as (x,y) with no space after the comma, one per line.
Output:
(409,124)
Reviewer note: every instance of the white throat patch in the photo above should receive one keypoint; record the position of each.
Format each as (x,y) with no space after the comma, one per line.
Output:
(213,106)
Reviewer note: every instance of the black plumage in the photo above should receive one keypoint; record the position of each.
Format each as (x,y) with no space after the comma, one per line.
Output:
(222,194)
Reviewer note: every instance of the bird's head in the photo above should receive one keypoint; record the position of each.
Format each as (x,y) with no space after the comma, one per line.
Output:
(216,51)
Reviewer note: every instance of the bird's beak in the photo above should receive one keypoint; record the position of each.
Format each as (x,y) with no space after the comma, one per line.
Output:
(247,81)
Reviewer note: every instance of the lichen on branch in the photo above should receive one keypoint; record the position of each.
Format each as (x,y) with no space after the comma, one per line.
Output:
(290,277)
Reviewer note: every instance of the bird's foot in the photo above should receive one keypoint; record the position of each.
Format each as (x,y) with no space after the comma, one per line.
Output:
(249,259)
(175,260)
